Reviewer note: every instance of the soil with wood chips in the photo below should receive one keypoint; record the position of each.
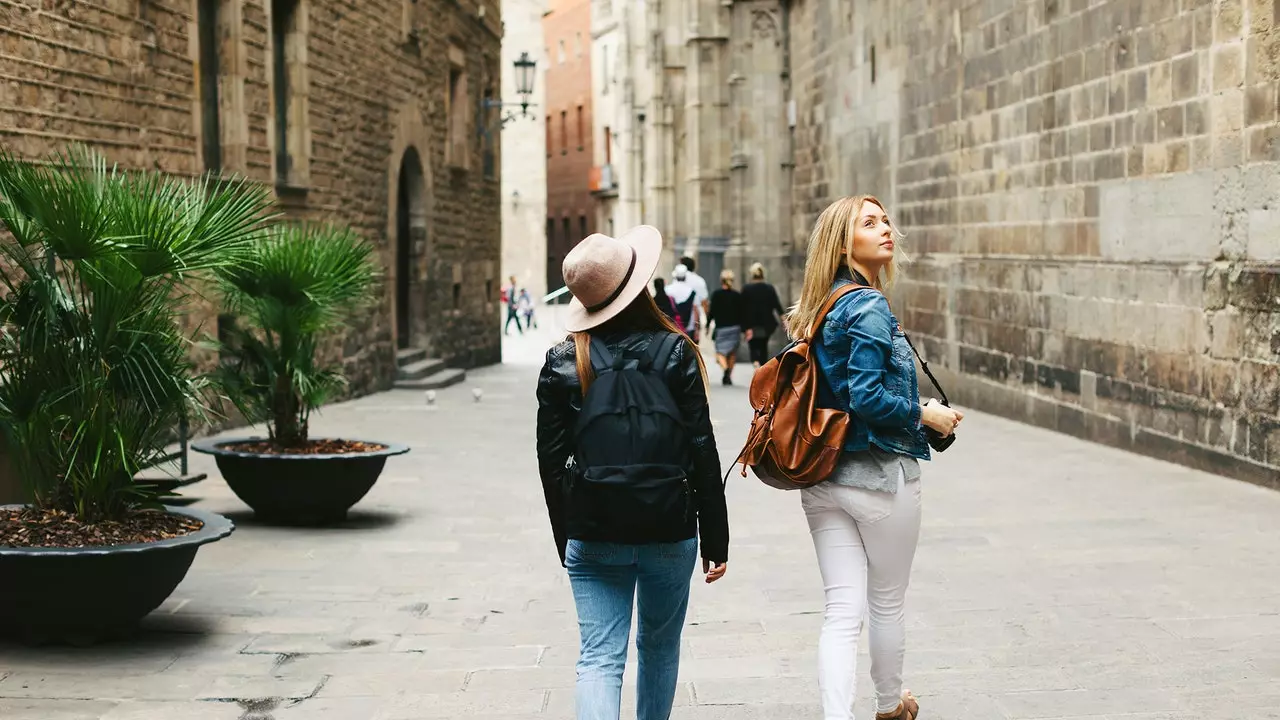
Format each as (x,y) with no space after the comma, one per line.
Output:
(31,527)
(313,447)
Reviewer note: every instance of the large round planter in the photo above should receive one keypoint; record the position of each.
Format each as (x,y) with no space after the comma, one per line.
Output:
(298,489)
(85,595)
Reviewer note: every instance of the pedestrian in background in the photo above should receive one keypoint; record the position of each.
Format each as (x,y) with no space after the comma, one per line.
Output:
(865,518)
(526,309)
(761,311)
(726,315)
(630,472)
(663,300)
(701,292)
(686,300)
(510,293)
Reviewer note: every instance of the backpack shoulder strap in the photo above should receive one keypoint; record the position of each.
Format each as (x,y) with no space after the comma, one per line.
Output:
(601,359)
(660,348)
(832,299)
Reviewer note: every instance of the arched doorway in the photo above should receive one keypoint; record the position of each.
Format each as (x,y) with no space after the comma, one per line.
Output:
(411,236)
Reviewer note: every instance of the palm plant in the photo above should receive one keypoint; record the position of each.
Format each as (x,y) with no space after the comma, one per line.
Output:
(95,371)
(302,283)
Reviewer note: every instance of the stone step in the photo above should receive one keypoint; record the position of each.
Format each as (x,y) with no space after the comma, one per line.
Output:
(442,379)
(420,369)
(408,356)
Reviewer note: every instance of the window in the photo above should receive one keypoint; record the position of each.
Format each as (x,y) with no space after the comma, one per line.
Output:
(551,232)
(568,233)
(582,226)
(486,134)
(458,151)
(564,132)
(608,146)
(578,47)
(457,296)
(289,92)
(209,66)
(560,57)
(548,136)
(604,70)
(873,64)
(580,131)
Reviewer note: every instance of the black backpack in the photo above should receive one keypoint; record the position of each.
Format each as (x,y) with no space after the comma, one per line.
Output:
(632,452)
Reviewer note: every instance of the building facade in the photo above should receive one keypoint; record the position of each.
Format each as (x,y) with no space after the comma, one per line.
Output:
(1087,189)
(352,114)
(524,148)
(570,153)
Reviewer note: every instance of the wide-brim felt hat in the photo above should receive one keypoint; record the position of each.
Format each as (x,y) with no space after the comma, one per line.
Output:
(606,274)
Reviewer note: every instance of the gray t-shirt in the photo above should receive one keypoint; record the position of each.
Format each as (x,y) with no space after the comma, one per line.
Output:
(875,469)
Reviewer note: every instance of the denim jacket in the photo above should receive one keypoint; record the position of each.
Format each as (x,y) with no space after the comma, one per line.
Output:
(871,373)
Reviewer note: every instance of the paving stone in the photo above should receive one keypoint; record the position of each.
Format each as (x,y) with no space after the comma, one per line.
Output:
(450,705)
(195,710)
(24,709)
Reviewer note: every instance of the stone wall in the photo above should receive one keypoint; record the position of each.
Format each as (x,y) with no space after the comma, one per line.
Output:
(371,83)
(1090,190)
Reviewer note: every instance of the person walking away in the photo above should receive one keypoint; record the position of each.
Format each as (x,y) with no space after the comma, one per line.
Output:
(700,289)
(526,309)
(686,300)
(664,302)
(761,311)
(629,470)
(865,518)
(513,303)
(726,314)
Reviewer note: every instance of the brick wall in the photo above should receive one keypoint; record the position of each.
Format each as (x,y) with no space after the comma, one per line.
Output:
(568,160)
(1090,190)
(122,76)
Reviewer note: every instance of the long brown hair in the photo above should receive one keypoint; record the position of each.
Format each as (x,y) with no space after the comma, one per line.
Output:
(830,246)
(642,315)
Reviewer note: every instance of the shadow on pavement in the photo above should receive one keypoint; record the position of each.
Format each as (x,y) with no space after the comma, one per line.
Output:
(357,519)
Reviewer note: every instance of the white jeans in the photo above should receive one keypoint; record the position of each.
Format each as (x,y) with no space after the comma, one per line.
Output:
(865,541)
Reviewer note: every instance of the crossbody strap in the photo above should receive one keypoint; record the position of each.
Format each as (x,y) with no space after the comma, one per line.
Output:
(923,365)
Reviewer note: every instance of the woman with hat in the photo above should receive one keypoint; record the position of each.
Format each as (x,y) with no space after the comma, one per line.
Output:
(640,552)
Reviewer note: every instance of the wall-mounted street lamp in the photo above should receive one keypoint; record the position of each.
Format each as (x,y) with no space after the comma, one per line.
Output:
(525,69)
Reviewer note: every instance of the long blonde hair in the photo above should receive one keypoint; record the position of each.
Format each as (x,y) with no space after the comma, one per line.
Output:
(830,247)
(640,316)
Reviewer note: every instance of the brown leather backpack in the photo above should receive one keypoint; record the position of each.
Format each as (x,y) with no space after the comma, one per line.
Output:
(794,444)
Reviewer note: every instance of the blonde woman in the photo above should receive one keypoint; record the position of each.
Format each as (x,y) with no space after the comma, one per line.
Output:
(865,519)
(726,314)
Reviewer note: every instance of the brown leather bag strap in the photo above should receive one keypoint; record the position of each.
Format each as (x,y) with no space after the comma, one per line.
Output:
(831,303)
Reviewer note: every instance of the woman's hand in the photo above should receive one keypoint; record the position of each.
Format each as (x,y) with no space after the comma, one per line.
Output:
(940,417)
(713,571)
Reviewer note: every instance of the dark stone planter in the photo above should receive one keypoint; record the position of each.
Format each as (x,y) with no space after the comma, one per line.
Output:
(298,489)
(85,595)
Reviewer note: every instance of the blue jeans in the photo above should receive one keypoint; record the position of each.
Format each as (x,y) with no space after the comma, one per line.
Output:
(606,579)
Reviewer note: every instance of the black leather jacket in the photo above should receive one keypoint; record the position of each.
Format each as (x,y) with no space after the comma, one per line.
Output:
(560,399)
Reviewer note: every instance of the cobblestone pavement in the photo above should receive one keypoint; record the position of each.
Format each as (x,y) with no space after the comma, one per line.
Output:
(1055,579)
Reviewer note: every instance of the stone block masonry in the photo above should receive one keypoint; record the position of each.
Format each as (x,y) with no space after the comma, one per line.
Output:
(1090,190)
(367,114)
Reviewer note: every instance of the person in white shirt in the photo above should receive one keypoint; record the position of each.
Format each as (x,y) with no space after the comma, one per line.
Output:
(685,297)
(700,289)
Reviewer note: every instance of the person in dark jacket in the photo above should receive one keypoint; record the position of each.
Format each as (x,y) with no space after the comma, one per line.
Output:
(609,575)
(761,310)
(663,300)
(726,314)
